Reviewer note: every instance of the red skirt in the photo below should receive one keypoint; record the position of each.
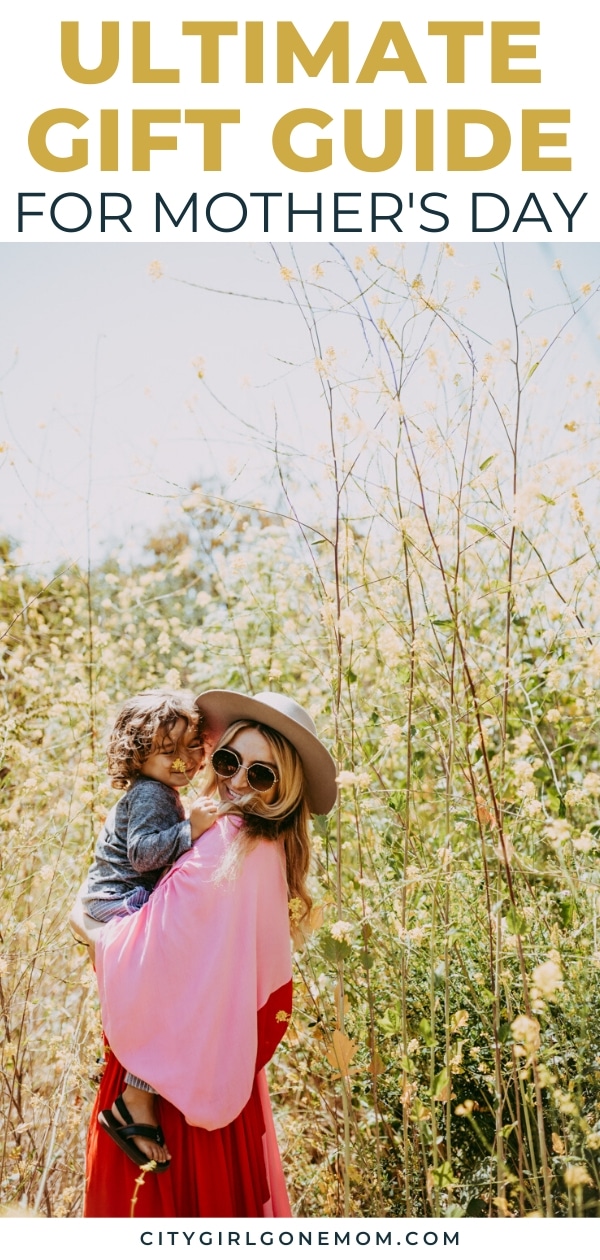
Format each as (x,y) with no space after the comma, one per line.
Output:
(219,1172)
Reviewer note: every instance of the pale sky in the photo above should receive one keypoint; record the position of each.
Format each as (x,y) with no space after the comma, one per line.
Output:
(101,400)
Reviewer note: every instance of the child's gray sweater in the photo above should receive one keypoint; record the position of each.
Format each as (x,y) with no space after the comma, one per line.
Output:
(144,833)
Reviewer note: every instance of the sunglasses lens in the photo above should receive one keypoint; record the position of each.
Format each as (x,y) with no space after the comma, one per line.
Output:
(261,778)
(225,763)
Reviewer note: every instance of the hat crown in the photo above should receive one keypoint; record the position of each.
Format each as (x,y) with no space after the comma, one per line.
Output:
(290,708)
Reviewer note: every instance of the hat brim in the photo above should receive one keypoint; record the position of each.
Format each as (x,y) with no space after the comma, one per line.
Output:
(221,708)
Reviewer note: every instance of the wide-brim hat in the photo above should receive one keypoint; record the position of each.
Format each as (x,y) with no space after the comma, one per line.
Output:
(270,708)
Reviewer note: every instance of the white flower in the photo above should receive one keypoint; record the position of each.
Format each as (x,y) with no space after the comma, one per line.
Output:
(390,645)
(526,1033)
(574,796)
(522,770)
(341,931)
(591,783)
(532,807)
(349,622)
(527,789)
(547,978)
(523,742)
(553,715)
(558,831)
(346,778)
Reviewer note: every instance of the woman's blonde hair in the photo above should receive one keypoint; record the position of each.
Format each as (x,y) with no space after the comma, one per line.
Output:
(140,723)
(286,818)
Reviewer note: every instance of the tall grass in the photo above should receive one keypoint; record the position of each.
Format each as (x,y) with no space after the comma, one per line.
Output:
(426,582)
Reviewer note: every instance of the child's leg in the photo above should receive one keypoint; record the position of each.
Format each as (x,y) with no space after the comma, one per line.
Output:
(140,1103)
(130,1079)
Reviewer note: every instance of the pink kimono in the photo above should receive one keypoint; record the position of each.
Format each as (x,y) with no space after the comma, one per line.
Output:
(196,994)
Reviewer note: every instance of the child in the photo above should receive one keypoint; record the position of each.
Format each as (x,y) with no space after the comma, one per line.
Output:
(155,748)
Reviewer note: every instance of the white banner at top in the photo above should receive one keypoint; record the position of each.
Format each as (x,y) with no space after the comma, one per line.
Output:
(140,121)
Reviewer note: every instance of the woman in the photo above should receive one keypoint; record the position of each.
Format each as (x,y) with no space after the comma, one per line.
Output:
(195,987)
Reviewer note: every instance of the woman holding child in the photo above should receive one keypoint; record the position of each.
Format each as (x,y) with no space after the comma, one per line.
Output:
(195,984)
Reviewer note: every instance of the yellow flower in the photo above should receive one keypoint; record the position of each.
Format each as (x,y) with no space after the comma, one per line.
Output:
(282,1017)
(296,909)
(178,766)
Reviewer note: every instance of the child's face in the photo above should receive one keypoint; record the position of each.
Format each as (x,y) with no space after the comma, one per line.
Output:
(177,755)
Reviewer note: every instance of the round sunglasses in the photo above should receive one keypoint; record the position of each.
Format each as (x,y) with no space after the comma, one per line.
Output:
(226,763)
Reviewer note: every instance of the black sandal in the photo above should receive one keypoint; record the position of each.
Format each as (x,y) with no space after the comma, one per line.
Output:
(123,1133)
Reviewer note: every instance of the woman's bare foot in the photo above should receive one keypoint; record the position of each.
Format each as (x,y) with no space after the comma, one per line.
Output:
(142,1106)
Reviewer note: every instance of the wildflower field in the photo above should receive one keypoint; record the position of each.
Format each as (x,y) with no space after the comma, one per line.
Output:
(425,579)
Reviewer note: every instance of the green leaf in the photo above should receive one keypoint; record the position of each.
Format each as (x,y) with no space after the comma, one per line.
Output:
(483,530)
(516,923)
(335,951)
(440,1082)
(567,912)
(445,623)
(486,463)
(442,1175)
(533,368)
(390,1022)
(426,1033)
(320,824)
(397,801)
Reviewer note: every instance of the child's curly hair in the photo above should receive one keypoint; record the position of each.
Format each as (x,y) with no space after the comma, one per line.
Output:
(137,726)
